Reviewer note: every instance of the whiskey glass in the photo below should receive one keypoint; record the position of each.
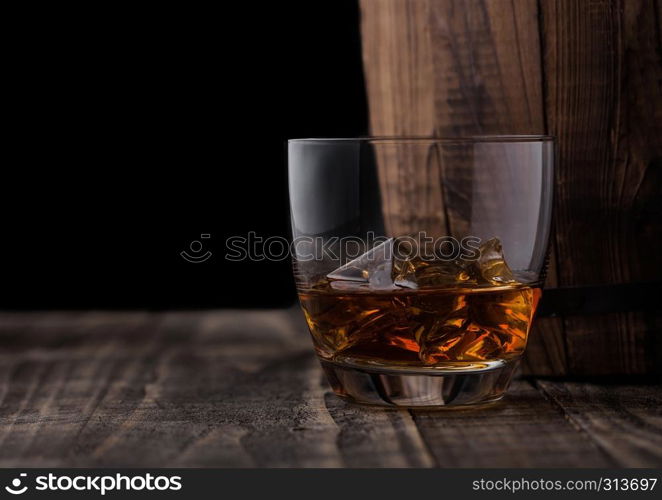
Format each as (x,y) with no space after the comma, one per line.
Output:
(419,262)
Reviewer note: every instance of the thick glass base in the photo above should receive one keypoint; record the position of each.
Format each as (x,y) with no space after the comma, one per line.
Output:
(420,388)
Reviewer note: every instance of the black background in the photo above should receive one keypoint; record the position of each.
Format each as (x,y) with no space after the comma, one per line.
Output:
(136,130)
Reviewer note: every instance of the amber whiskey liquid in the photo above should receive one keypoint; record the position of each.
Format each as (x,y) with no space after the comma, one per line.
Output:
(426,328)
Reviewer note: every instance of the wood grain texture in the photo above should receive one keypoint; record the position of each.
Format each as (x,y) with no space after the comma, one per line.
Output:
(409,177)
(589,73)
(487,69)
(231,389)
(603,68)
(511,433)
(624,421)
(403,80)
(452,67)
(475,69)
(243,389)
(604,103)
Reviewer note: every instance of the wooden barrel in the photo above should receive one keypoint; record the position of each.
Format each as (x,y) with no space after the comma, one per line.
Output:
(589,73)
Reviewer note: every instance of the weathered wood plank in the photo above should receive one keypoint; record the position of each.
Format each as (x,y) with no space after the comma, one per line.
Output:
(372,437)
(454,68)
(408,177)
(603,72)
(243,388)
(588,72)
(396,63)
(487,69)
(624,420)
(224,388)
(523,430)
(450,67)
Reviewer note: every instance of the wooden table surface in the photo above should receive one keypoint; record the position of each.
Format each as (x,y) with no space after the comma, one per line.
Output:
(243,389)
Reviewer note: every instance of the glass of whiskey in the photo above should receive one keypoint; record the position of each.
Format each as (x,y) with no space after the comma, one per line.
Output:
(419,262)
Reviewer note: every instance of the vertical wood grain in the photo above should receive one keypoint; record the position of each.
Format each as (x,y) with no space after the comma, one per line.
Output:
(243,389)
(402,85)
(623,421)
(514,430)
(455,68)
(604,104)
(589,73)
(487,68)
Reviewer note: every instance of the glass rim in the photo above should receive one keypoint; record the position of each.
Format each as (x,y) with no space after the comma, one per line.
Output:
(426,139)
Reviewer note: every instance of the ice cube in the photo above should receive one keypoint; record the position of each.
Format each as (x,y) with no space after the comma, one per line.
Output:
(419,266)
(417,272)
(420,270)
(373,267)
(382,267)
(491,267)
